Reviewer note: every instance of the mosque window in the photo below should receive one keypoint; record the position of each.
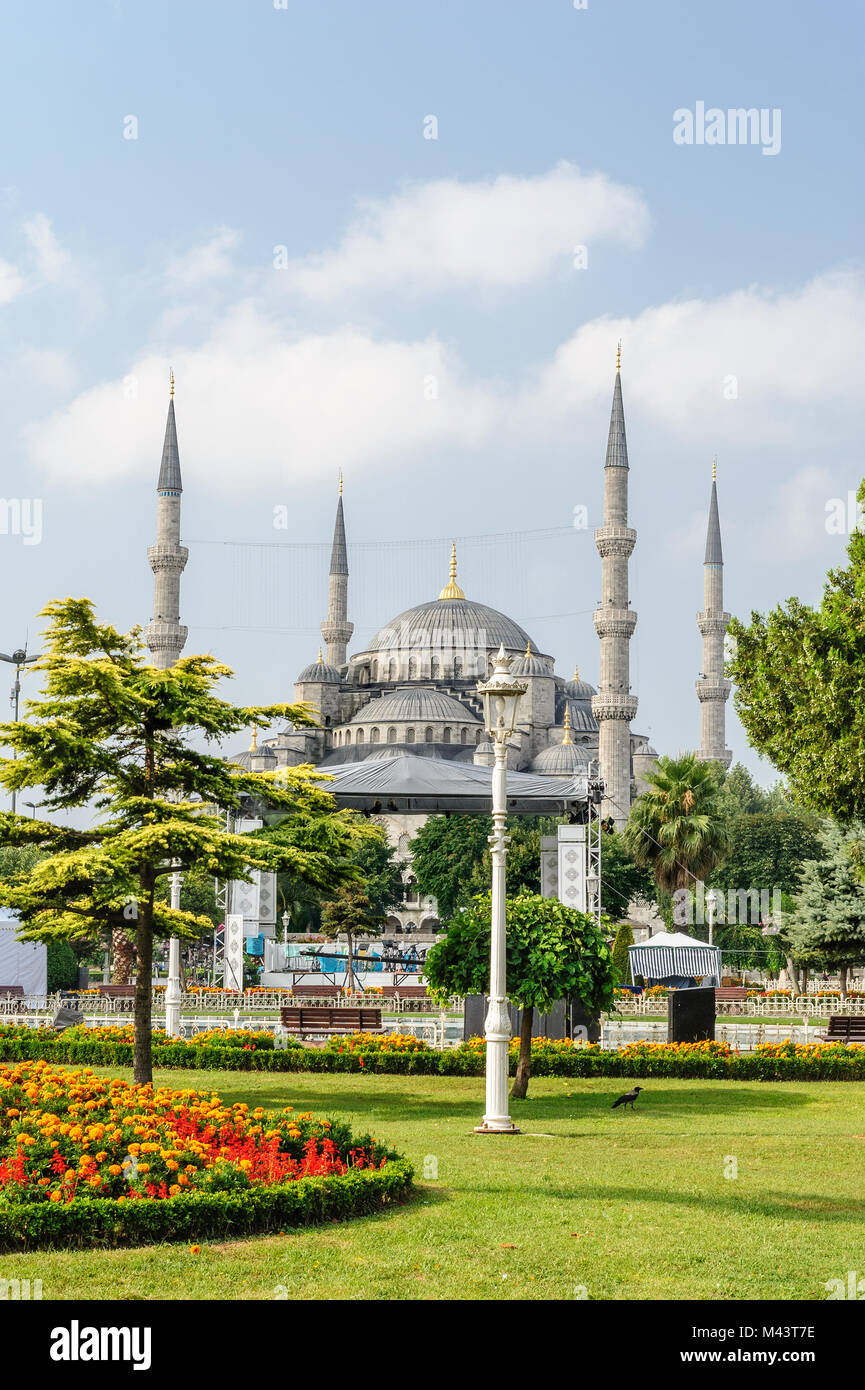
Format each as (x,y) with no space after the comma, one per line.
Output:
(375,670)
(359,738)
(403,844)
(348,735)
(464,736)
(412,669)
(409,735)
(458,667)
(446,736)
(391,734)
(478,736)
(375,736)
(435,668)
(427,734)
(391,671)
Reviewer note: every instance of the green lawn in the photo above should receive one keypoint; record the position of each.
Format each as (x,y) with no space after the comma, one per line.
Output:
(631,1206)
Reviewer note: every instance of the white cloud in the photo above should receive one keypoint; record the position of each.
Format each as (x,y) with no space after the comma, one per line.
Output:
(280,405)
(210,261)
(47,261)
(51,259)
(503,232)
(12,282)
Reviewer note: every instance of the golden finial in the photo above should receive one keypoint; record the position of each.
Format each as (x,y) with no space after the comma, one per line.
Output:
(715,469)
(320,657)
(254,743)
(340,482)
(529,647)
(576,672)
(452,588)
(619,356)
(171,383)
(567,737)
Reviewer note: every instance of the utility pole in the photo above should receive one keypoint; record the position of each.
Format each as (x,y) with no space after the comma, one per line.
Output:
(19,659)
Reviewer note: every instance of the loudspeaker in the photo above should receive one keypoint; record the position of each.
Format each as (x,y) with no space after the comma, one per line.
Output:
(691,1015)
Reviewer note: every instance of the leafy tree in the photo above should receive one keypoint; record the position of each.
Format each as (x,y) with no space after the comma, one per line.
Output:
(827,924)
(350,914)
(444,852)
(799,677)
(739,794)
(114,734)
(767,851)
(553,952)
(676,828)
(380,872)
(621,959)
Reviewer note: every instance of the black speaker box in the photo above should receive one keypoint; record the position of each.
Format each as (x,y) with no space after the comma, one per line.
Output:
(691,1015)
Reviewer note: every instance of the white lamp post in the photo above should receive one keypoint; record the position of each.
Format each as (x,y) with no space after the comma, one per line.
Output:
(172,989)
(501,696)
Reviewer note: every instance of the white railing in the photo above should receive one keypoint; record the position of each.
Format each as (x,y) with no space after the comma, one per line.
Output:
(800,1006)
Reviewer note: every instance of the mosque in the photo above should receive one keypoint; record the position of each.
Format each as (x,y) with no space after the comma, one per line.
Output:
(413,689)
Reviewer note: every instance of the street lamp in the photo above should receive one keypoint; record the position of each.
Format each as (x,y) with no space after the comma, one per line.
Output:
(18,659)
(501,697)
(286,918)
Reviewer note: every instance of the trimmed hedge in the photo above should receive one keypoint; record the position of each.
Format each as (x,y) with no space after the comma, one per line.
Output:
(712,1061)
(89,1222)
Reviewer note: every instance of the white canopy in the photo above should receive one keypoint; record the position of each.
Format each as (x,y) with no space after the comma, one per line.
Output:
(674,953)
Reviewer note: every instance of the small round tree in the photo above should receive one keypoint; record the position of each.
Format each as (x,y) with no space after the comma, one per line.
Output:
(553,952)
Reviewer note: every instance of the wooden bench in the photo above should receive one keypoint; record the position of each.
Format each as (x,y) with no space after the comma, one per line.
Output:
(301,1020)
(117,991)
(731,994)
(844,1028)
(317,991)
(11,991)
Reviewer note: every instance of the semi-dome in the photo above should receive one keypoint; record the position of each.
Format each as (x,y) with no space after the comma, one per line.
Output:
(319,671)
(561,760)
(449,625)
(413,704)
(581,717)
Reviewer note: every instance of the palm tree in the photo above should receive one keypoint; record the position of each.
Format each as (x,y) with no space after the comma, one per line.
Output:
(677,828)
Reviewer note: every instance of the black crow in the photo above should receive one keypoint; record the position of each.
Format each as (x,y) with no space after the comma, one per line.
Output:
(628,1098)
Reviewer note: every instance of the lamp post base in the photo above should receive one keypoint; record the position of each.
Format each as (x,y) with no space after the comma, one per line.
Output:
(496,1129)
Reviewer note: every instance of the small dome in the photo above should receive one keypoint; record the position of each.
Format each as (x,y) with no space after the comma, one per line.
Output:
(577,689)
(319,671)
(561,760)
(412,704)
(531,664)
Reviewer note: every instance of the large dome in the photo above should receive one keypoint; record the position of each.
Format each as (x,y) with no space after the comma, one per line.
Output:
(450,625)
(415,704)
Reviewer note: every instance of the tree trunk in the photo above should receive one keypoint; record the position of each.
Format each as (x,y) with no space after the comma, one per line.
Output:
(843,974)
(793,972)
(124,956)
(142,1061)
(349,978)
(520,1087)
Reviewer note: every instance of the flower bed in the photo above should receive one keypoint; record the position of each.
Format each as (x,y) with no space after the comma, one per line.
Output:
(86,1160)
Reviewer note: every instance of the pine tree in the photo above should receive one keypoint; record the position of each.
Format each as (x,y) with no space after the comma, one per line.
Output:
(621,959)
(826,927)
(121,738)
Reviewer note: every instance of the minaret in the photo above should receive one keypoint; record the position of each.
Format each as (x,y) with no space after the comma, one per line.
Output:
(337,630)
(713,690)
(614,706)
(164,634)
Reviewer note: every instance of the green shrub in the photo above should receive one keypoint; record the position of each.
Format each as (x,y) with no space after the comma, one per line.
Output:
(62,966)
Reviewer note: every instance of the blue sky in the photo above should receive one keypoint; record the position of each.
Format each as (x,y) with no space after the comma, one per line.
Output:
(410,258)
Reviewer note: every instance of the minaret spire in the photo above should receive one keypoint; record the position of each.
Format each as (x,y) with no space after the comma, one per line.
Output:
(713,690)
(336,629)
(164,634)
(614,706)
